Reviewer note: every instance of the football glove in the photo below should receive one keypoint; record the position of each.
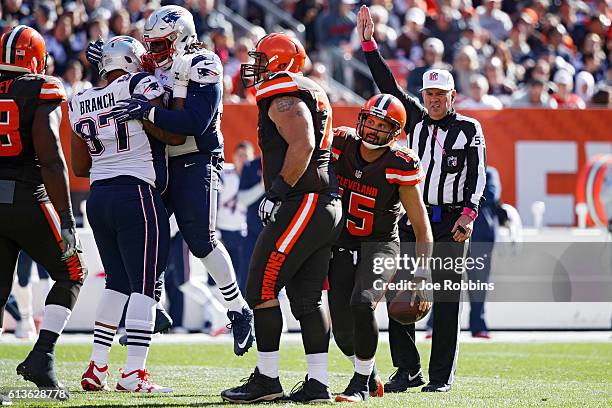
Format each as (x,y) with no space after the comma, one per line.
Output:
(94,52)
(70,241)
(137,107)
(267,210)
(269,205)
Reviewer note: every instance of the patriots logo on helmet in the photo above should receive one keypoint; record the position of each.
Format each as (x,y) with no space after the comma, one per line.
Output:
(172,17)
(204,72)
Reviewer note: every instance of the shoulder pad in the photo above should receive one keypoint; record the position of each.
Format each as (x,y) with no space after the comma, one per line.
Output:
(52,89)
(405,168)
(406,157)
(147,85)
(277,84)
(344,132)
(206,67)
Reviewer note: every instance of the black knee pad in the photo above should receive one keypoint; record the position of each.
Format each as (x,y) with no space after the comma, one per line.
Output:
(200,248)
(64,293)
(302,306)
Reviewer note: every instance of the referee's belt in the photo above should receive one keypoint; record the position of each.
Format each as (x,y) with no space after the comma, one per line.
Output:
(435,211)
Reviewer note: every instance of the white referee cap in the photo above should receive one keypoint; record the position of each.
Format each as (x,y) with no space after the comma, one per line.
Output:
(438,79)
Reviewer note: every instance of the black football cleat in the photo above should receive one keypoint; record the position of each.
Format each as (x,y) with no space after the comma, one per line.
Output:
(375,385)
(401,380)
(310,391)
(38,368)
(256,388)
(436,387)
(242,330)
(356,391)
(163,323)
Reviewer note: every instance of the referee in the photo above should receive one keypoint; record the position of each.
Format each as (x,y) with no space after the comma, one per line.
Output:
(452,152)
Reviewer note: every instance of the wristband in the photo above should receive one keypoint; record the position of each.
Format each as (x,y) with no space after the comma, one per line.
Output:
(66,219)
(279,189)
(151,115)
(179,91)
(470,213)
(369,45)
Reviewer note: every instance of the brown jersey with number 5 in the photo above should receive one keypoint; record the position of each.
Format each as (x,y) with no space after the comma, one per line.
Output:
(370,190)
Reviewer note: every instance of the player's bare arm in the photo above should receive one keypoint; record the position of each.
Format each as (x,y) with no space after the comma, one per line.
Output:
(163,136)
(294,123)
(411,199)
(46,138)
(80,158)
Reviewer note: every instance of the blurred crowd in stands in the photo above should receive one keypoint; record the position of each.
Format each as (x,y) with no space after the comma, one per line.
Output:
(503,53)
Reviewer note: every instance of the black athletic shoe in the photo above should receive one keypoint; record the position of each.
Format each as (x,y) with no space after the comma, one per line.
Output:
(242,330)
(436,387)
(163,323)
(401,380)
(310,390)
(256,388)
(356,391)
(38,368)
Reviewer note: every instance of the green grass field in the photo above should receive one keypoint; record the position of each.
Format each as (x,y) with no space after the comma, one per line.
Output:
(489,375)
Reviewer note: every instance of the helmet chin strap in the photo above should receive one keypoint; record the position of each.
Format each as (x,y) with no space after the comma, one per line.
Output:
(371,146)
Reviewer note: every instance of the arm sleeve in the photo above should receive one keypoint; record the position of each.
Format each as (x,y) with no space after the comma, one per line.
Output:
(383,77)
(476,170)
(201,108)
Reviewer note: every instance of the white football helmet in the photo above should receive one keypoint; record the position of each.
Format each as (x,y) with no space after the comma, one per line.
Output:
(122,52)
(167,33)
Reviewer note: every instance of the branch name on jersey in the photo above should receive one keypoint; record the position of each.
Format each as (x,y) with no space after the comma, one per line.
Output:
(206,70)
(116,149)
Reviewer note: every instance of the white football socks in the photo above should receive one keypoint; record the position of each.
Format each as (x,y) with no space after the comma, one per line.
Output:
(364,367)
(219,265)
(317,367)
(139,323)
(108,316)
(267,363)
(55,318)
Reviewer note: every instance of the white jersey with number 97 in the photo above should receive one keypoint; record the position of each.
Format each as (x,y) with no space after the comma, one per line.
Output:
(118,149)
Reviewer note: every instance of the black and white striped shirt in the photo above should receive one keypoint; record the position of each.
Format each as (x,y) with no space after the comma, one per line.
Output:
(452,150)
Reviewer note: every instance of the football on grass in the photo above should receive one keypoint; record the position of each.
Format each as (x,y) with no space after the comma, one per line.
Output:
(401,311)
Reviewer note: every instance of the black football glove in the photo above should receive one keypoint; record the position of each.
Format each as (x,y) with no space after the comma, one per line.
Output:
(94,52)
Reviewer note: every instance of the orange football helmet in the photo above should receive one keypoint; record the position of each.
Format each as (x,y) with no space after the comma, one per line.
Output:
(386,107)
(275,52)
(23,49)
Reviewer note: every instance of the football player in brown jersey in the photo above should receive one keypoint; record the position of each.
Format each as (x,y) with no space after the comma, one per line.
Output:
(302,214)
(35,211)
(377,178)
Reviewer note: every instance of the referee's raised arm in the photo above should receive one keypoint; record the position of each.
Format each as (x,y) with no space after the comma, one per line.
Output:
(383,77)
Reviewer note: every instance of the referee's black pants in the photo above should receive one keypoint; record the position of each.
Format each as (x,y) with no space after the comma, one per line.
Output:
(445,344)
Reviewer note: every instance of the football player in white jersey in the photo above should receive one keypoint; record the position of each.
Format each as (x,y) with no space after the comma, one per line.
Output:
(127,170)
(192,77)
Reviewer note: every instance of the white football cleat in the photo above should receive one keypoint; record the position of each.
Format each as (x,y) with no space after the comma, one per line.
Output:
(25,329)
(138,381)
(95,378)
